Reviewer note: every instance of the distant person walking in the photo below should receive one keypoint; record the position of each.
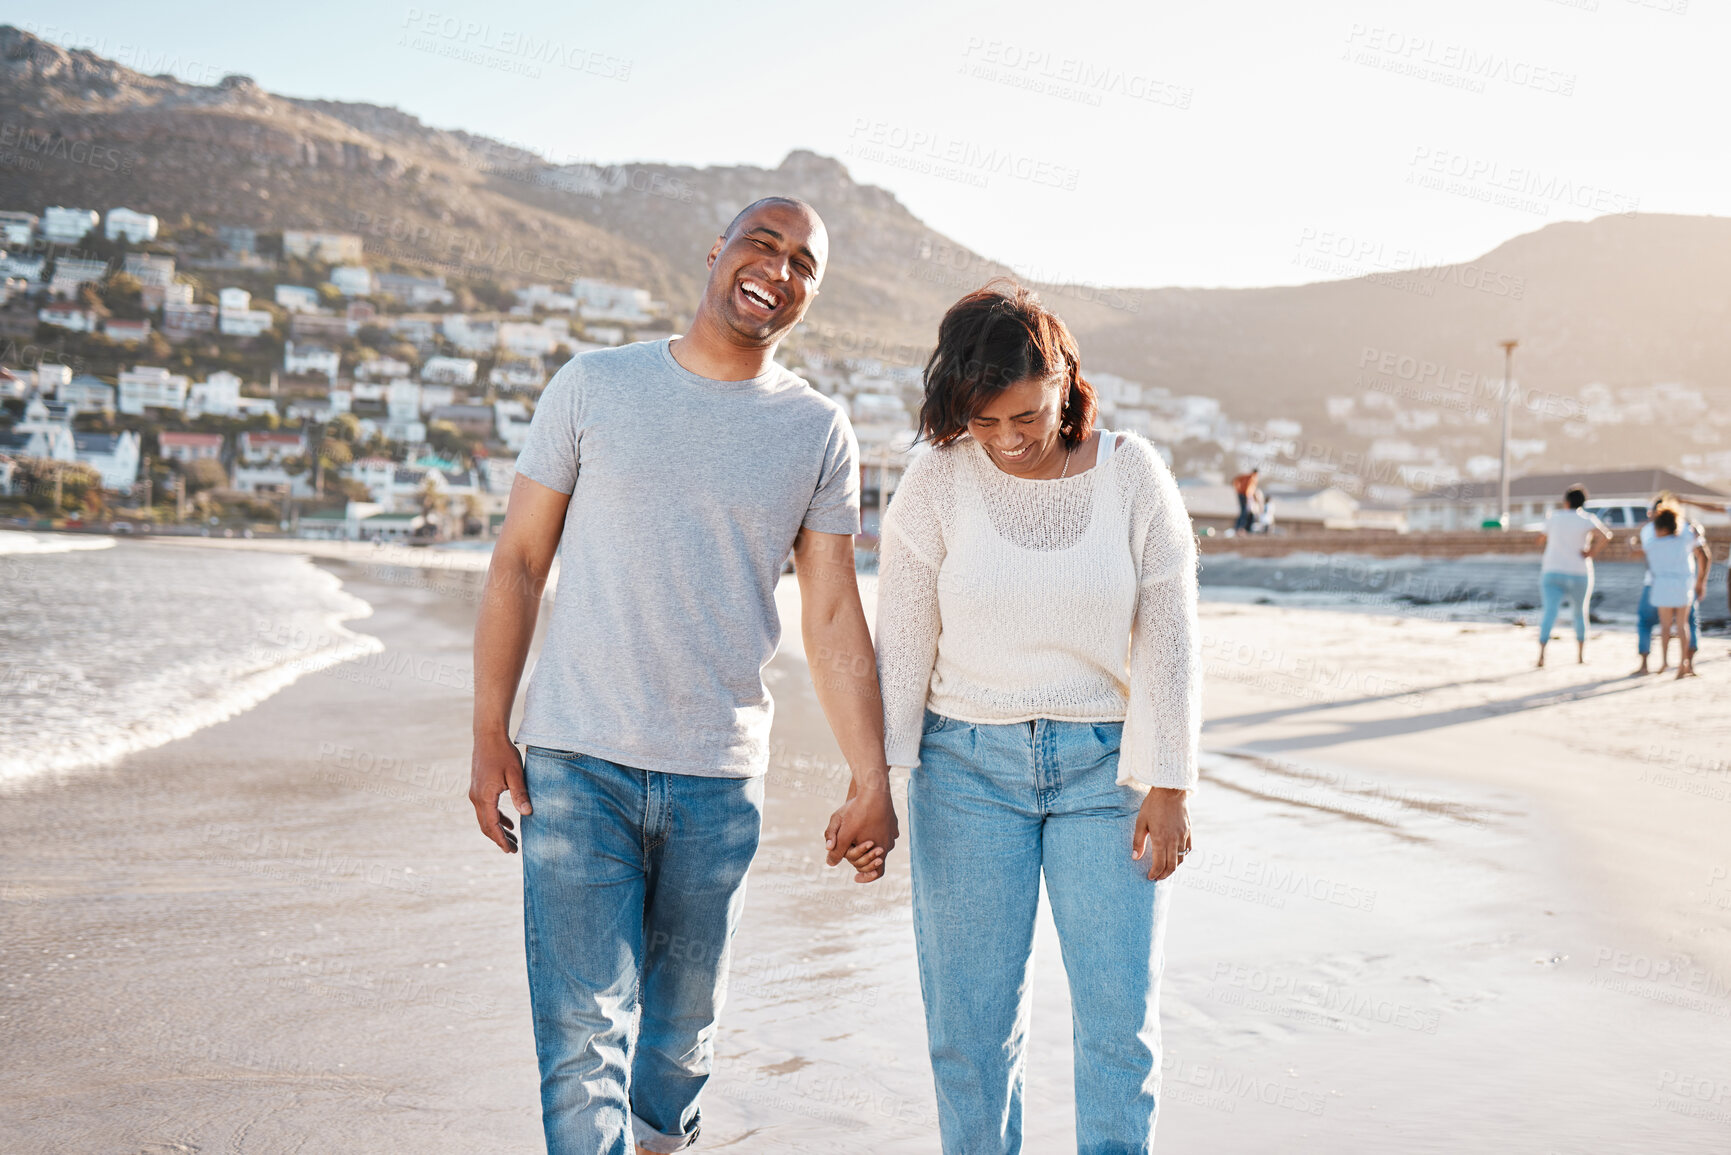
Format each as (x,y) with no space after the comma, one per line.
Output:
(1678,584)
(1647,614)
(1249,500)
(1570,539)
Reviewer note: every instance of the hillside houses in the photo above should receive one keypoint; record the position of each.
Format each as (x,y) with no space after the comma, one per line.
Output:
(147,387)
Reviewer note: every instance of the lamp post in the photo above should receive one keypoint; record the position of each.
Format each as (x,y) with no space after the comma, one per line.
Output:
(1508,398)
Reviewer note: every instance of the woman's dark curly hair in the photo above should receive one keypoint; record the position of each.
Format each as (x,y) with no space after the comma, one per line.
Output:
(992,338)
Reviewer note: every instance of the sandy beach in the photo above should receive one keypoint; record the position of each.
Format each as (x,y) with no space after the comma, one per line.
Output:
(1441,901)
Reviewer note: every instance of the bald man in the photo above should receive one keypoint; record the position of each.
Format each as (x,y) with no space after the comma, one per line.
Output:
(670,478)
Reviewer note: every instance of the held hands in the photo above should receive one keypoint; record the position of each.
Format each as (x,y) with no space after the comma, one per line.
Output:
(1162,831)
(863,830)
(496,767)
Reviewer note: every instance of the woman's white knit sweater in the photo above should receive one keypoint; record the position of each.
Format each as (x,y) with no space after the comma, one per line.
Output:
(1002,599)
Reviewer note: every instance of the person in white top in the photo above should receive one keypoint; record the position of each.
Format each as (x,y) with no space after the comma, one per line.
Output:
(1570,539)
(1677,585)
(1040,664)
(1647,614)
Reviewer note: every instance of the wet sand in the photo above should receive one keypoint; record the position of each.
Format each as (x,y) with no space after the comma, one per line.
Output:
(1414,922)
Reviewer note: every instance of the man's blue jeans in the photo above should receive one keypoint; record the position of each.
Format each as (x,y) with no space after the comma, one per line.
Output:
(633,883)
(1555,586)
(1647,620)
(991,808)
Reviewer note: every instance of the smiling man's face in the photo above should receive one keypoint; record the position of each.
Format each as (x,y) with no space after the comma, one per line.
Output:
(764,274)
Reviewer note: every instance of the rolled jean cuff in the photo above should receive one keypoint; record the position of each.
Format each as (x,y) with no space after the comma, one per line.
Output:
(650,1139)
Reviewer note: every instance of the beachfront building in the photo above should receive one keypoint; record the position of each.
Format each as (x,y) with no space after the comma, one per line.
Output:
(71,273)
(261,464)
(1536,496)
(183,321)
(329,248)
(604,301)
(41,433)
(149,387)
(382,369)
(311,359)
(18,228)
(161,296)
(352,280)
(149,269)
(511,418)
(449,371)
(113,455)
(86,394)
(545,297)
(76,318)
(125,331)
(262,447)
(402,432)
(237,318)
(394,486)
(416,292)
(337,524)
(218,396)
(130,225)
(418,329)
(523,339)
(469,334)
(390,527)
(21,267)
(298,298)
(433,396)
(519,375)
(189,447)
(67,226)
(50,379)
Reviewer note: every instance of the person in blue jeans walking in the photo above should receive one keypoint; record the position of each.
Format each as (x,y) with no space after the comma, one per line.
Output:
(1570,539)
(1039,658)
(671,478)
(1646,613)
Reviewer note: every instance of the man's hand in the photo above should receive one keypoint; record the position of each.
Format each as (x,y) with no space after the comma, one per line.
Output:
(867,817)
(496,767)
(1162,830)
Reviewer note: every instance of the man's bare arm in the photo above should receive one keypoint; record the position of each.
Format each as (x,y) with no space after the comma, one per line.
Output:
(844,672)
(510,602)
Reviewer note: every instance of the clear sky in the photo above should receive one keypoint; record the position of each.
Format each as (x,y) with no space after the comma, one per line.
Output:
(1225,142)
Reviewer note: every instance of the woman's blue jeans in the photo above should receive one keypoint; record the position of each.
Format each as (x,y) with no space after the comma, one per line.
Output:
(1577,587)
(633,883)
(991,809)
(1647,620)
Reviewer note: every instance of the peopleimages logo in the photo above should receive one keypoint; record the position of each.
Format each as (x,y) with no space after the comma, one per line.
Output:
(1067,77)
(448,34)
(1456,172)
(881,140)
(1459,65)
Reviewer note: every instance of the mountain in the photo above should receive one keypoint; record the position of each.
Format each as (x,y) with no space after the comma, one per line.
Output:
(1622,301)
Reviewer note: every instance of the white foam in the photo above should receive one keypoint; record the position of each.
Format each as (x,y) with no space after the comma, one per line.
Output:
(11,541)
(155,711)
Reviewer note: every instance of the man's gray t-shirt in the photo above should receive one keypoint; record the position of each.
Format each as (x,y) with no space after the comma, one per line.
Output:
(686,496)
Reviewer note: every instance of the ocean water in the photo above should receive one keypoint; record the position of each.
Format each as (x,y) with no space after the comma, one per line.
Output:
(1500,589)
(112,646)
